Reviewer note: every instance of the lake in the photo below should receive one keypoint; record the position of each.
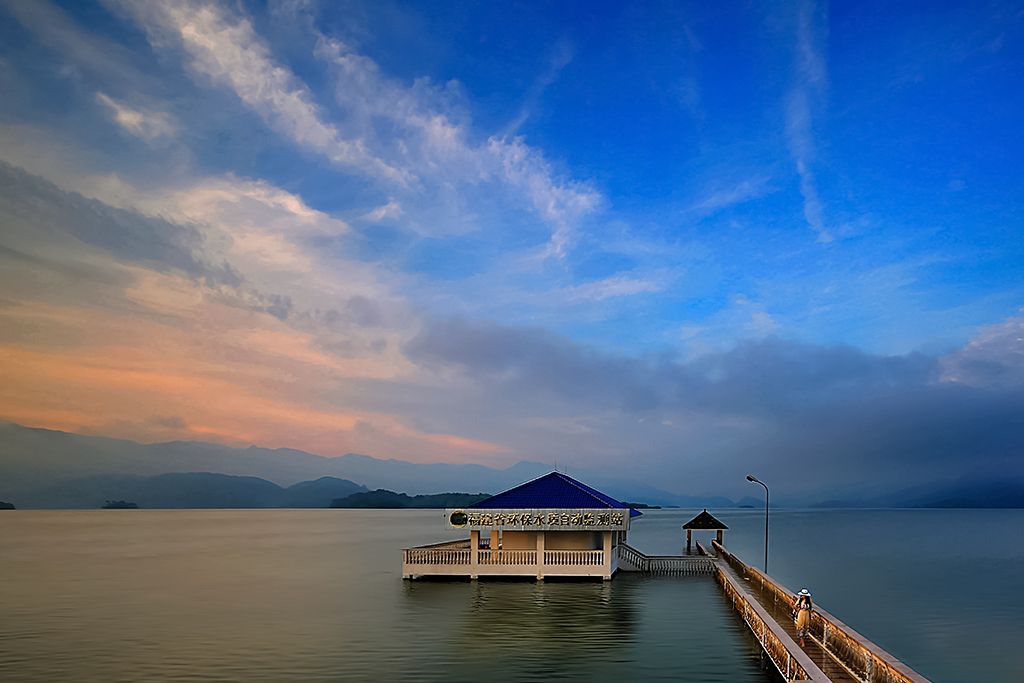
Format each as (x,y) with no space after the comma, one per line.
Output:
(317,595)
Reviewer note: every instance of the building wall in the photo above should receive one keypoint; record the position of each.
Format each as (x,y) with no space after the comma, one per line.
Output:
(519,540)
(573,540)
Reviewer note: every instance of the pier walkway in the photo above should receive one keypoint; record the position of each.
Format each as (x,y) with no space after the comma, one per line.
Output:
(781,613)
(834,650)
(833,653)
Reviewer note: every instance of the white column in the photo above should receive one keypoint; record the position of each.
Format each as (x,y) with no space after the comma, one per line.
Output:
(607,555)
(474,553)
(540,555)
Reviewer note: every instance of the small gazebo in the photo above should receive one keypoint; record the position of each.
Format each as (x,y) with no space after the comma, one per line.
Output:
(703,522)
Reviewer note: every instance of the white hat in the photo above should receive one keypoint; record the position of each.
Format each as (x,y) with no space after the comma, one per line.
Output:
(805,592)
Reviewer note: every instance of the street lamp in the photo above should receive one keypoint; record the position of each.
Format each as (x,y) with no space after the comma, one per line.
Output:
(754,479)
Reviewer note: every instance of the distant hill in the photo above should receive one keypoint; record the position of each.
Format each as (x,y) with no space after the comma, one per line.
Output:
(32,457)
(382,498)
(41,460)
(317,493)
(1002,494)
(187,490)
(42,468)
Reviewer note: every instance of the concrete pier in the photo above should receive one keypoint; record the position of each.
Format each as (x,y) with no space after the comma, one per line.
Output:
(833,652)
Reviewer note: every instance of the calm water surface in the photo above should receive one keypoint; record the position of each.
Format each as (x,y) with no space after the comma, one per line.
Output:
(317,595)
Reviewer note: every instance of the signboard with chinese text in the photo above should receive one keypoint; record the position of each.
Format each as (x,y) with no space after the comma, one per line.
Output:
(547,519)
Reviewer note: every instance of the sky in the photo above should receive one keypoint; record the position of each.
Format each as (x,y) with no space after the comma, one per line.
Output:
(677,242)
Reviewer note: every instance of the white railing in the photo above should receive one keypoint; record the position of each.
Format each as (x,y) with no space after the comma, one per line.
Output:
(574,557)
(459,553)
(461,544)
(508,557)
(666,564)
(436,556)
(633,556)
(864,659)
(790,661)
(670,564)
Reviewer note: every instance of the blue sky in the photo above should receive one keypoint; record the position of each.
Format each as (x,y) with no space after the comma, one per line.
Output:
(641,214)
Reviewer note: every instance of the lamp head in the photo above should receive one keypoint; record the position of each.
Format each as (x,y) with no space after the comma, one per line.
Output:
(752,478)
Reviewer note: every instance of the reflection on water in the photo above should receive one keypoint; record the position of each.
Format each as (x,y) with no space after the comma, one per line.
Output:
(317,595)
(541,618)
(634,628)
(526,630)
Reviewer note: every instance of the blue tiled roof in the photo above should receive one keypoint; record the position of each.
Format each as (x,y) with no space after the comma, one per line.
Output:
(555,490)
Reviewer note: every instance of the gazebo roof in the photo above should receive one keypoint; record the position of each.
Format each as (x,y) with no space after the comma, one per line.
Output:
(552,491)
(704,521)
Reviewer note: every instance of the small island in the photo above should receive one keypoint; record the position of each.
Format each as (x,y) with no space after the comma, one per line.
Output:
(6,506)
(119,505)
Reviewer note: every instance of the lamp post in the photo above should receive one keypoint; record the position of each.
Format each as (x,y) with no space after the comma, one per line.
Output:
(754,479)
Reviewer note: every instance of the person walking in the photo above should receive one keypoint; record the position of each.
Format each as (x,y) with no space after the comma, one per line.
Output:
(802,608)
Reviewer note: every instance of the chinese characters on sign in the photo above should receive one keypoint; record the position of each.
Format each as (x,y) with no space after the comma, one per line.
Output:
(596,520)
(549,519)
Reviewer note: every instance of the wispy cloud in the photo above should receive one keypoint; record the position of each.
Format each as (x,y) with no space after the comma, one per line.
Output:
(84,50)
(811,82)
(425,148)
(142,122)
(442,151)
(391,210)
(748,189)
(35,202)
(563,54)
(742,319)
(620,285)
(227,49)
(560,204)
(994,358)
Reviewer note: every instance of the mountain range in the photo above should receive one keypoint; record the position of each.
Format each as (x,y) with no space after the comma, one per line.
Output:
(185,490)
(963,494)
(42,468)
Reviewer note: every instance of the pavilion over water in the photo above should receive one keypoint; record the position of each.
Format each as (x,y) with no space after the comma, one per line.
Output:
(703,522)
(550,526)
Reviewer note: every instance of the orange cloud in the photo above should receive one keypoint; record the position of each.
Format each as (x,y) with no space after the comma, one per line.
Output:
(460,443)
(298,347)
(221,382)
